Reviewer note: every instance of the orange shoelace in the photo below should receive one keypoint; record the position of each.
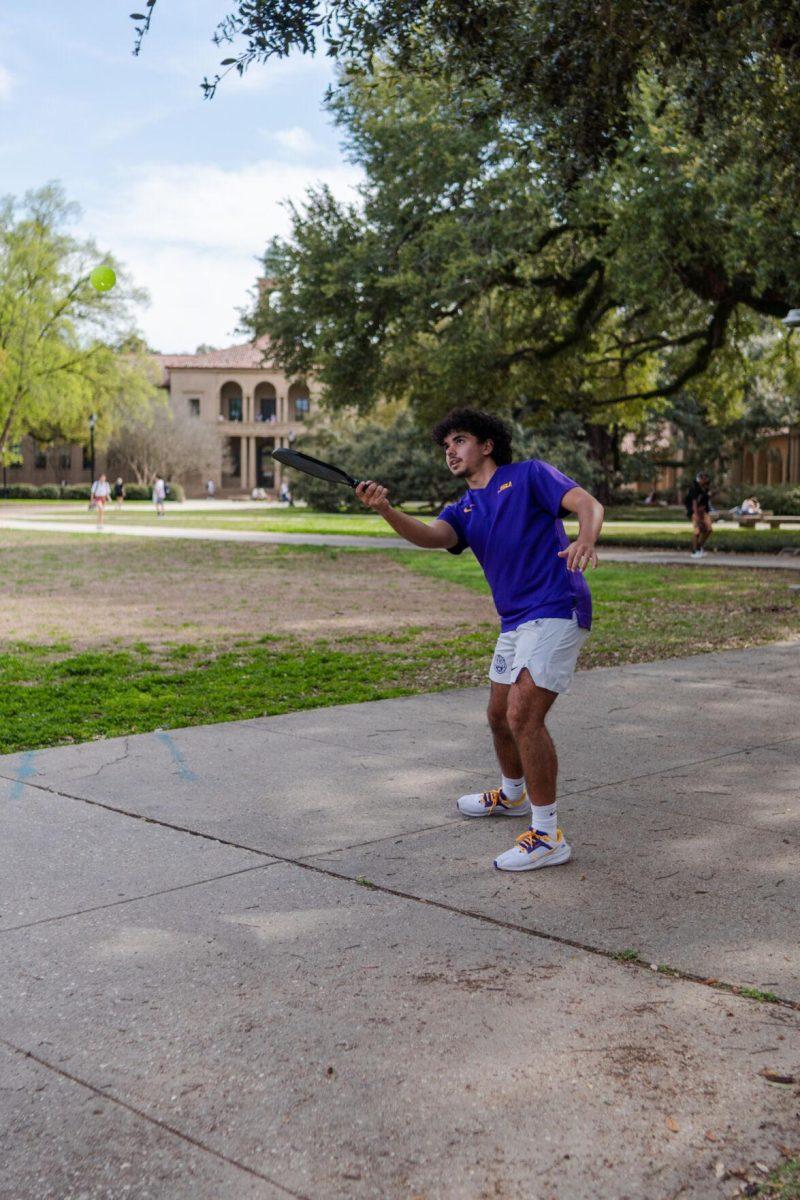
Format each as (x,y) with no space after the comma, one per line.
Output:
(530,839)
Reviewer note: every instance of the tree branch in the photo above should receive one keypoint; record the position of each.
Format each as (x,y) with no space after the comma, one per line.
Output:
(714,338)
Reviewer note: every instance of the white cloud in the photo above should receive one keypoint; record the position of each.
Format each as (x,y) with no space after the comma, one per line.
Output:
(317,70)
(190,234)
(6,83)
(296,140)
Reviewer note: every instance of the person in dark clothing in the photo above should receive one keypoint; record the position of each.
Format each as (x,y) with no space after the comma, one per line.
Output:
(698,510)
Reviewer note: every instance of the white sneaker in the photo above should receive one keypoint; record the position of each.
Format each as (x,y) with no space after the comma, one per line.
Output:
(493,804)
(533,849)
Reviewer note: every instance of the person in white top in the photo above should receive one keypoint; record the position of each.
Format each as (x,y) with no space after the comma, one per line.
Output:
(159,495)
(101,490)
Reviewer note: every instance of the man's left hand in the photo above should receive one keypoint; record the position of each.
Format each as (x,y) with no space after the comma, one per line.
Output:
(579,554)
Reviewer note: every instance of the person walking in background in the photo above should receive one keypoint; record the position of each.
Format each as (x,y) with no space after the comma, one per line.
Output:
(118,492)
(101,490)
(698,510)
(211,489)
(159,495)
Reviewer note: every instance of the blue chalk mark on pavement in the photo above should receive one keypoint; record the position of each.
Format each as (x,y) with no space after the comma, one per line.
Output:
(177,756)
(25,771)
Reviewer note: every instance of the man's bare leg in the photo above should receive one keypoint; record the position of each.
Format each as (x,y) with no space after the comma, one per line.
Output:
(510,799)
(505,747)
(527,708)
(543,845)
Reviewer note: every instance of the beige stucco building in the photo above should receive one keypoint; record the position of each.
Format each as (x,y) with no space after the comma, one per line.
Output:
(251,403)
(776,460)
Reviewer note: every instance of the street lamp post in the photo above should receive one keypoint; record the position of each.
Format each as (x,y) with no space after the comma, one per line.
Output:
(92,423)
(792,322)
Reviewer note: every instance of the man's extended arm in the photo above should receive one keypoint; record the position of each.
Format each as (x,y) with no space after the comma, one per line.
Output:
(590,512)
(439,535)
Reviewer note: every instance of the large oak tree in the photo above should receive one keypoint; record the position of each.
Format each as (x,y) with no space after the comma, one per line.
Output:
(590,204)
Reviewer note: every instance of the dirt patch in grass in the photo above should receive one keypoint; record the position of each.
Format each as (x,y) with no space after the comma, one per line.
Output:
(87,592)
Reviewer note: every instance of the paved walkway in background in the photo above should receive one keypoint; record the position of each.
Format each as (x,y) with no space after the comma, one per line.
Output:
(267,958)
(169,530)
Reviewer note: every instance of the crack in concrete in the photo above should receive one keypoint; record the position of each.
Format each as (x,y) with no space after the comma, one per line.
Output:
(120,758)
(665,970)
(679,766)
(180,887)
(156,1121)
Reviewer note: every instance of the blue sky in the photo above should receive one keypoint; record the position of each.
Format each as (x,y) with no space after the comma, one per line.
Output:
(185,191)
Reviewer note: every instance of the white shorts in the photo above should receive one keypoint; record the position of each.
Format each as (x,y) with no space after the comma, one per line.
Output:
(548,647)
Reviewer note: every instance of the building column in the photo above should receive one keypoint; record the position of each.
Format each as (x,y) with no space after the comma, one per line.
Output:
(251,458)
(243,464)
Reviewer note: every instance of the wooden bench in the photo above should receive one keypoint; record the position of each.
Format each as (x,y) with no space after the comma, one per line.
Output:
(747,520)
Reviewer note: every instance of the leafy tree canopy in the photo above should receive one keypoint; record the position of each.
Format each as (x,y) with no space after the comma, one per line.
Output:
(396,448)
(467,274)
(66,350)
(572,69)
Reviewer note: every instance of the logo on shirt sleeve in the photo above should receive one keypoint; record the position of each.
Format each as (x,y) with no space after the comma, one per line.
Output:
(503,487)
(468,509)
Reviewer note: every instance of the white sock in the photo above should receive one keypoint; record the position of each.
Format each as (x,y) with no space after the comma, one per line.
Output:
(512,788)
(544,819)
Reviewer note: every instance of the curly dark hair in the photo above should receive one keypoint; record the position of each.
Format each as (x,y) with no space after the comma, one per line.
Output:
(483,425)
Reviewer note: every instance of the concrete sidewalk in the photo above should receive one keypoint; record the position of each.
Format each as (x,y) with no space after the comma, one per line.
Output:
(167,530)
(267,959)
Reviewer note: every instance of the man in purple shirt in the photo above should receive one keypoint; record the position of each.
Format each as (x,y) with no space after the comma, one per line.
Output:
(510,517)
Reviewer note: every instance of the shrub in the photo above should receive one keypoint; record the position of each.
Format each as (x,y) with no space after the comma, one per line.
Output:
(82,491)
(777,497)
(19,491)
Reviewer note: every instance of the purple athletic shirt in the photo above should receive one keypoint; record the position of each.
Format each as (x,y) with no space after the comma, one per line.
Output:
(513,527)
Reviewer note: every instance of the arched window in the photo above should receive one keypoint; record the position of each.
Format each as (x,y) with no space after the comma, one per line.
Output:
(265,401)
(230,401)
(774,466)
(299,402)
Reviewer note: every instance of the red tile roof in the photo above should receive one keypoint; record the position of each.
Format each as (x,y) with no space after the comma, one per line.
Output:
(244,355)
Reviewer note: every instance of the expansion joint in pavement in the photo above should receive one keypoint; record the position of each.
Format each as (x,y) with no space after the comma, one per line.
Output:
(304,865)
(144,1116)
(179,887)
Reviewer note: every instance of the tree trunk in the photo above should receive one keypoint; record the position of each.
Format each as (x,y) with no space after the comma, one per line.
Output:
(604,449)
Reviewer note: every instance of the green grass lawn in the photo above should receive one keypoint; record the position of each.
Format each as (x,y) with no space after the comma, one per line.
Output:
(783,1183)
(644,612)
(52,691)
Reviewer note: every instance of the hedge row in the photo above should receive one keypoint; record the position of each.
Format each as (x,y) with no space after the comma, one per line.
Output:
(745,541)
(80,491)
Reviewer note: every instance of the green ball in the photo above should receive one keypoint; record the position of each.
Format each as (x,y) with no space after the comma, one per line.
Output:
(102,279)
